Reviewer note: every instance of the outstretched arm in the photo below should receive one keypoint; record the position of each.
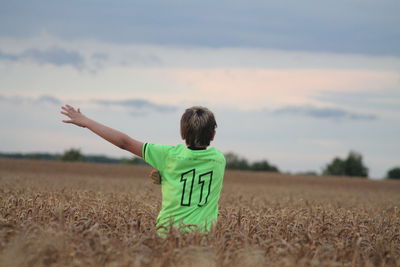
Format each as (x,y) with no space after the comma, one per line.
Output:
(115,137)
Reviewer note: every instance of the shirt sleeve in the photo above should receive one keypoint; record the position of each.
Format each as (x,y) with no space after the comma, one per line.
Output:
(155,155)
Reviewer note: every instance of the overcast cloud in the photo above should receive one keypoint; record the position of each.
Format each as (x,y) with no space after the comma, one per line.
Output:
(323,113)
(143,106)
(294,82)
(54,55)
(343,26)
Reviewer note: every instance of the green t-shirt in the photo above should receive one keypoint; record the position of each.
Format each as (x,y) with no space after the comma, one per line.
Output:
(191,183)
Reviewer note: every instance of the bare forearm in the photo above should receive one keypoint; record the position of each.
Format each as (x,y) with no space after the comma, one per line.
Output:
(115,137)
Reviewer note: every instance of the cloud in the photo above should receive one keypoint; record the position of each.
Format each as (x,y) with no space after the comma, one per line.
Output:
(140,107)
(15,100)
(386,99)
(67,54)
(49,99)
(257,88)
(323,113)
(136,106)
(362,27)
(99,55)
(19,100)
(54,55)
(11,57)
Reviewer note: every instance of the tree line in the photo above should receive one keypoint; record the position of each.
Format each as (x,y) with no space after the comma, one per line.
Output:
(351,166)
(235,162)
(72,154)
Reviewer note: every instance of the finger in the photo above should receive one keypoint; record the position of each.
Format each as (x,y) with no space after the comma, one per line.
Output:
(66,109)
(79,110)
(70,107)
(65,113)
(67,121)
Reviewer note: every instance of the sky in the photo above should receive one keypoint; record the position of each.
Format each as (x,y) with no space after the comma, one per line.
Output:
(294,82)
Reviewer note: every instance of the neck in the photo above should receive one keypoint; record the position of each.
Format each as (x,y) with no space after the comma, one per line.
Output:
(197,147)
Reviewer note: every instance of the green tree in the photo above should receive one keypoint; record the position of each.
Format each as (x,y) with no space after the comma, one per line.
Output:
(393,173)
(73,155)
(135,161)
(234,162)
(351,166)
(263,165)
(336,167)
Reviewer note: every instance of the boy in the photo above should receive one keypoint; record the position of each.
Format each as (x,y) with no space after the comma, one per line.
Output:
(191,175)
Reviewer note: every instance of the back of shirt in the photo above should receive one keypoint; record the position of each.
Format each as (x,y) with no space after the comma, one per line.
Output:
(191,183)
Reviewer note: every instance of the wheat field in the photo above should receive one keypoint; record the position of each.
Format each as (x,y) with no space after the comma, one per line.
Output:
(82,214)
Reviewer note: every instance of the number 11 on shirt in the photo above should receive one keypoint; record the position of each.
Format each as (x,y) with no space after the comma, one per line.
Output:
(190,183)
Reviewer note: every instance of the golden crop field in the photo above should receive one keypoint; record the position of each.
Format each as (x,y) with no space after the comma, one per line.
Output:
(82,214)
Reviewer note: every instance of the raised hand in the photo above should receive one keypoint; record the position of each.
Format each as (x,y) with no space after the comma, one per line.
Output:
(76,117)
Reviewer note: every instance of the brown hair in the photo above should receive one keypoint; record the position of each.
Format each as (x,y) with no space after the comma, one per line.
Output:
(198,126)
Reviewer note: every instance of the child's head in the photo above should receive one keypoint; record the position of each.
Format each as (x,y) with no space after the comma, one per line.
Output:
(198,126)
